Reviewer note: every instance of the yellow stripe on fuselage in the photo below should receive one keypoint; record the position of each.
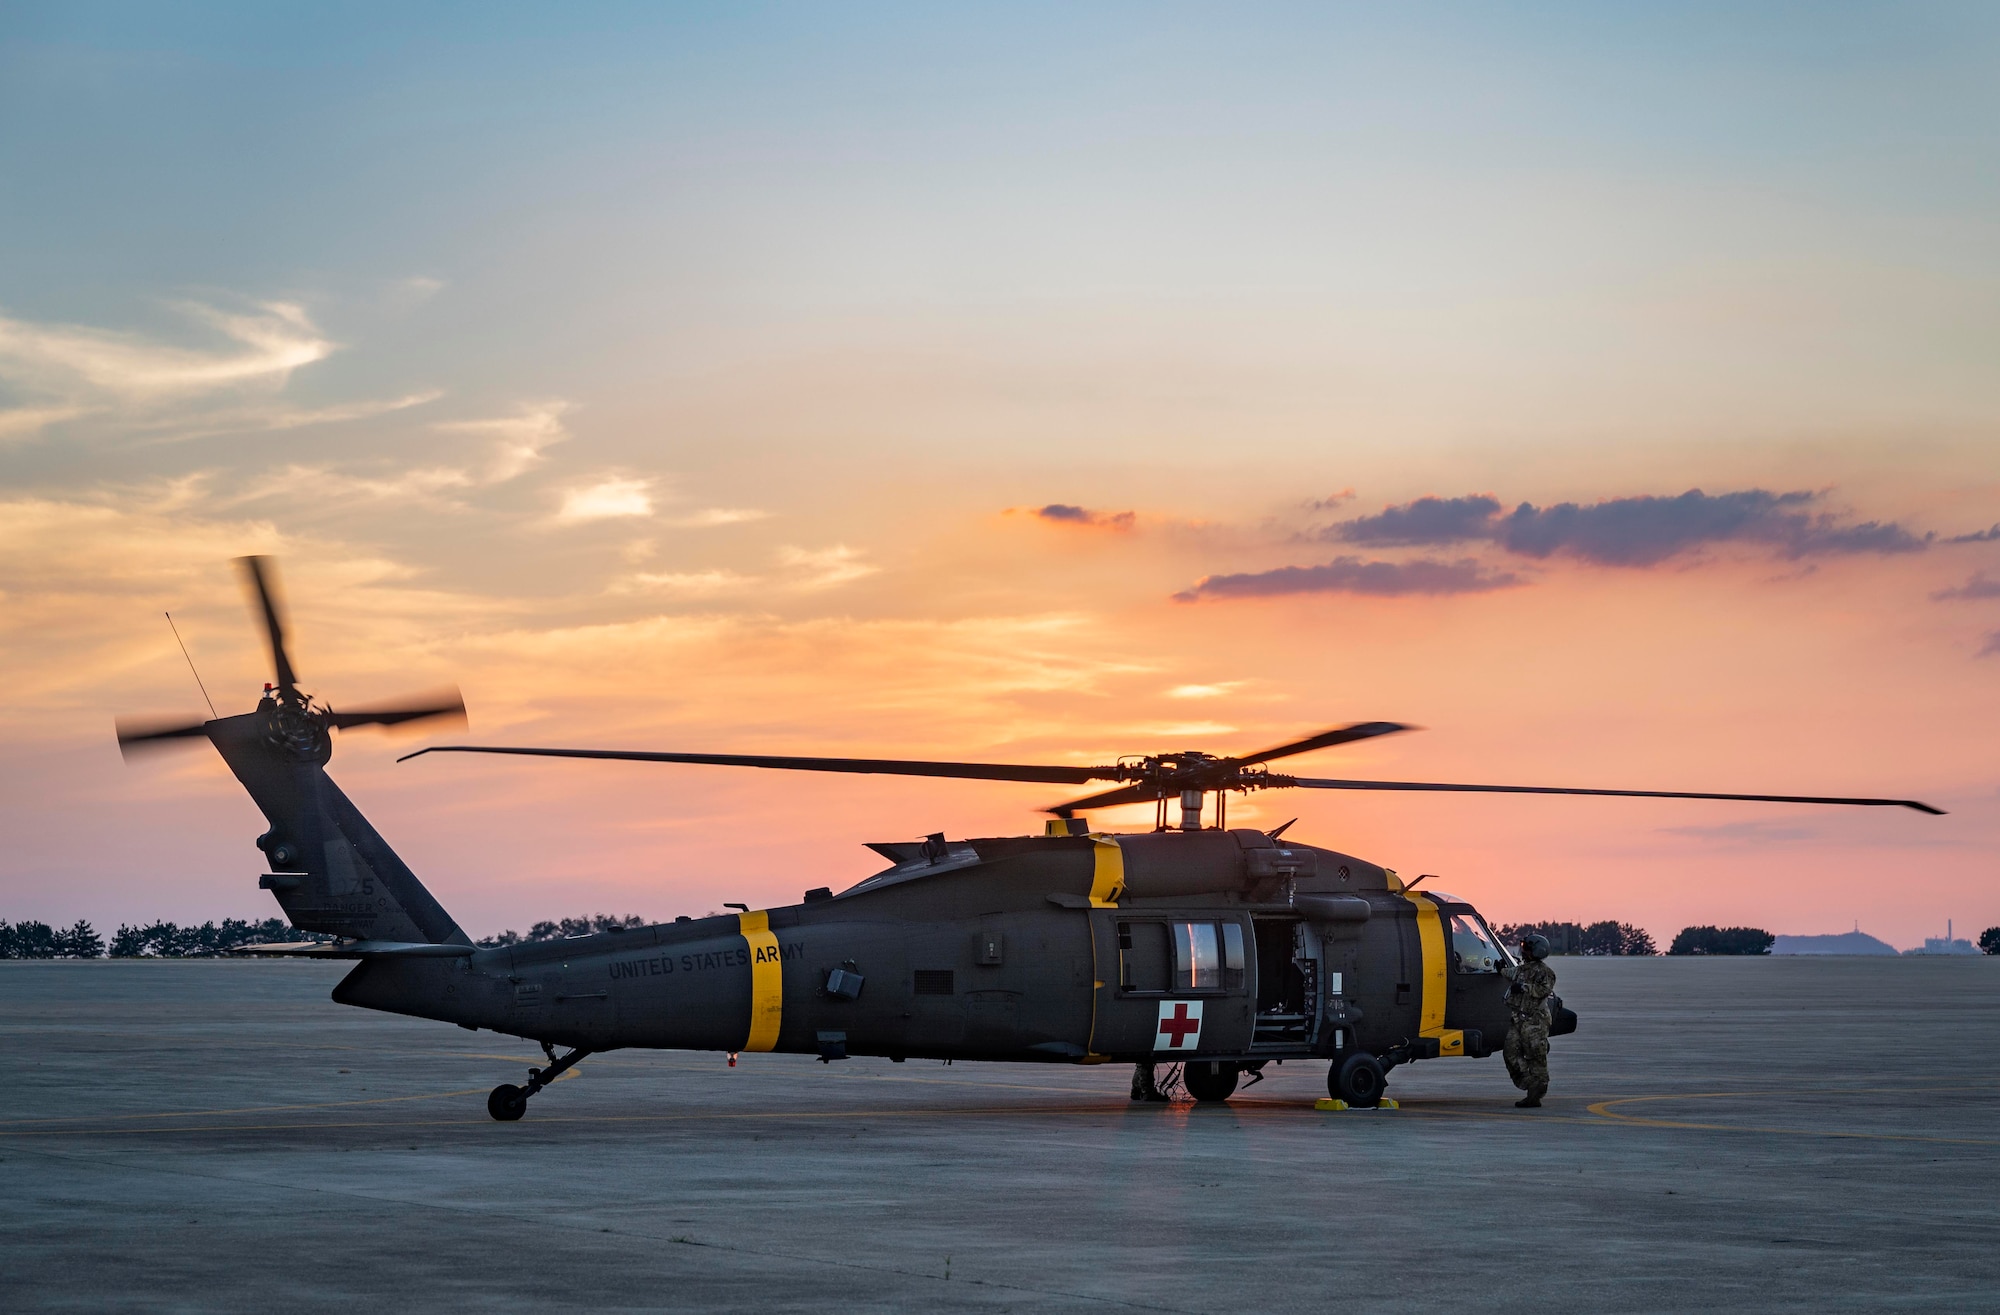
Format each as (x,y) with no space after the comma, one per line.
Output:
(1107,880)
(767,980)
(1430,935)
(1107,884)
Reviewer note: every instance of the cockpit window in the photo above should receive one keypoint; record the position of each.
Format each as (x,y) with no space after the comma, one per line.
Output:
(1472,948)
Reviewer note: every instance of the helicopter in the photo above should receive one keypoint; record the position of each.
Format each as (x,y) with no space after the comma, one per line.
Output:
(1219,949)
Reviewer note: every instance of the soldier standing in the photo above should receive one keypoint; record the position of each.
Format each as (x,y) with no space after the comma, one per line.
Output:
(1527,1049)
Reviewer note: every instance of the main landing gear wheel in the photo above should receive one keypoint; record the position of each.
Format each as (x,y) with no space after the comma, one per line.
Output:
(1358,1081)
(507,1102)
(1210,1081)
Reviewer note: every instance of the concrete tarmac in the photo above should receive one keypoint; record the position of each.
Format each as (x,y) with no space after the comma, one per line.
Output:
(1768,1134)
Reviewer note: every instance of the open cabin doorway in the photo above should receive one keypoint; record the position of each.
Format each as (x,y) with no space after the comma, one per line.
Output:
(1287,984)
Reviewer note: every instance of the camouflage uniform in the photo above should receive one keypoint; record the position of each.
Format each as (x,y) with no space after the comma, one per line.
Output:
(1144,1086)
(1527,1048)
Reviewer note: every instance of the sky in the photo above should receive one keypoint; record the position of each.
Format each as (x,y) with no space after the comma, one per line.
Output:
(1609,391)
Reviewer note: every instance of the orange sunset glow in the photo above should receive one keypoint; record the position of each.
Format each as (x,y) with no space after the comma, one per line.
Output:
(749,397)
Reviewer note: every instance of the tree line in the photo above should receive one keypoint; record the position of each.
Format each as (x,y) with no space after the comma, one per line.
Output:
(1600,938)
(564,928)
(1722,940)
(29,939)
(1597,938)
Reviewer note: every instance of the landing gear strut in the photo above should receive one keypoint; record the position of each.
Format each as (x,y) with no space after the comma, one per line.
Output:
(508,1102)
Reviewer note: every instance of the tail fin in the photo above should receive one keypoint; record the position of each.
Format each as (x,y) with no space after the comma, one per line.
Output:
(330,870)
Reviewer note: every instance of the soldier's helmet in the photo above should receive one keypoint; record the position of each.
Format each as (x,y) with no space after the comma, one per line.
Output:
(1535,947)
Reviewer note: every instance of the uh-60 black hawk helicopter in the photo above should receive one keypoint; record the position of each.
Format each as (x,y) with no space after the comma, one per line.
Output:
(1222,949)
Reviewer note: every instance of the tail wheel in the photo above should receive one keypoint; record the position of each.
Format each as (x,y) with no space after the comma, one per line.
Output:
(1210,1080)
(507,1102)
(1358,1081)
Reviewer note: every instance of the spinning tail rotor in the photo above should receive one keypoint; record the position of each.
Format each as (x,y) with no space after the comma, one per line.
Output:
(293,717)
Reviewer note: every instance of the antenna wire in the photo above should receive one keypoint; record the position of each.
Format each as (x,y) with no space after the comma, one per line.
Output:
(190,661)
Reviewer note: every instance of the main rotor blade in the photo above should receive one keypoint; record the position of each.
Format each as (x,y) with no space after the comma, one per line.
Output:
(1365,730)
(149,734)
(440,703)
(1124,794)
(260,577)
(881,766)
(1307,784)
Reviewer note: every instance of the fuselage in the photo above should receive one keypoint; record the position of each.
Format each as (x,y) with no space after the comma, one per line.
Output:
(1159,946)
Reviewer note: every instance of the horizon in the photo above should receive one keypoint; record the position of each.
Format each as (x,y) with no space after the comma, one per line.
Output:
(482,937)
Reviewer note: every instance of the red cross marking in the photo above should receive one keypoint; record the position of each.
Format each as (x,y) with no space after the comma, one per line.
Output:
(1177,1028)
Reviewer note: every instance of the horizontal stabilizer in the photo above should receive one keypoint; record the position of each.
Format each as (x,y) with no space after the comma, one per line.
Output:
(358,950)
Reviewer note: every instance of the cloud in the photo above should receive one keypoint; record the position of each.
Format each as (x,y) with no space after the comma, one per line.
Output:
(685,584)
(607,500)
(1636,531)
(1351,575)
(65,359)
(405,295)
(332,415)
(714,516)
(1064,514)
(516,443)
(1181,730)
(823,568)
(273,418)
(1214,691)
(1425,521)
(800,569)
(519,440)
(142,391)
(22,422)
(1991,648)
(323,484)
(1754,834)
(1977,587)
(1991,535)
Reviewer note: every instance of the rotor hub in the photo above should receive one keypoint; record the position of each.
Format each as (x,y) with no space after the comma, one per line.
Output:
(296,728)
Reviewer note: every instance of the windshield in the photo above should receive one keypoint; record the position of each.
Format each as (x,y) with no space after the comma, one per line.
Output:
(1473,949)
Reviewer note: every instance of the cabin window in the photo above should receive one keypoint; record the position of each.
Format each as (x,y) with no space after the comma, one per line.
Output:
(1180,956)
(1144,958)
(1197,957)
(1472,947)
(1232,956)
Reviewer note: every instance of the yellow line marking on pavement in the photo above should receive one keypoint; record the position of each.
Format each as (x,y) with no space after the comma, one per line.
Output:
(1604,1110)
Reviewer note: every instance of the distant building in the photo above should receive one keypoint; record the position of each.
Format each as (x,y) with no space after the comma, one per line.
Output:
(1847,942)
(1945,944)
